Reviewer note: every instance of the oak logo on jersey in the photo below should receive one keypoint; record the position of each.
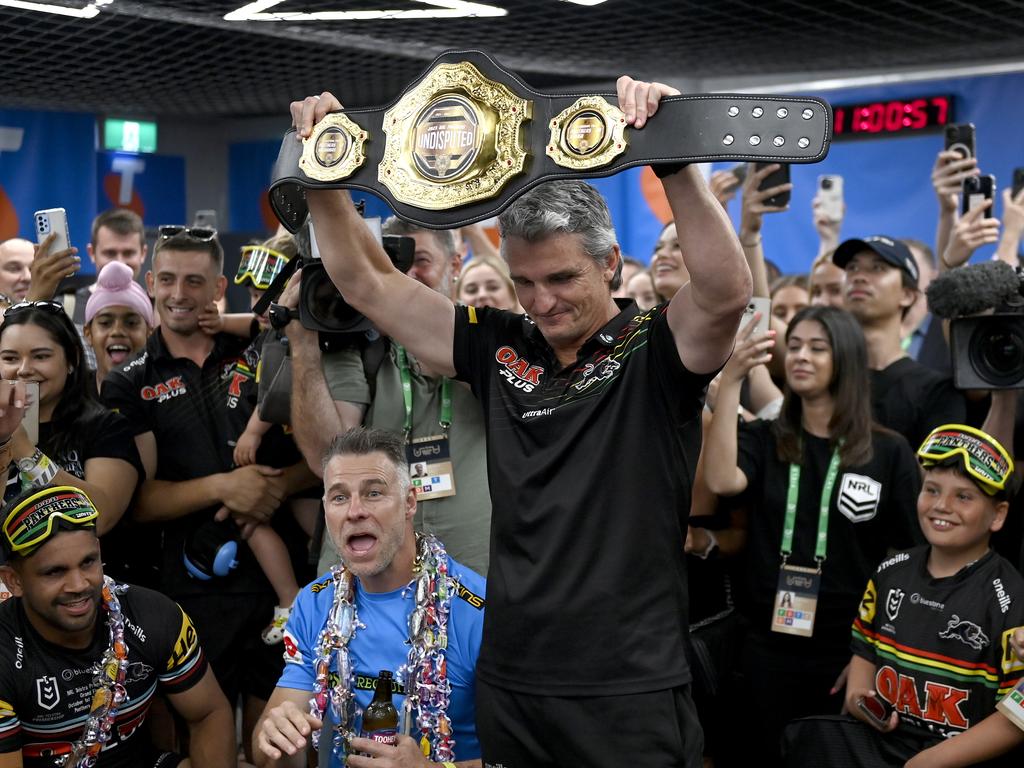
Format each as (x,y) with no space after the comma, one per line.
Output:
(47,692)
(893,602)
(517,370)
(858,497)
(165,390)
(966,632)
(940,704)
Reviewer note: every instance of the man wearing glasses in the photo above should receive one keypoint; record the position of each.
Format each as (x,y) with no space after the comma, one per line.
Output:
(178,397)
(83,657)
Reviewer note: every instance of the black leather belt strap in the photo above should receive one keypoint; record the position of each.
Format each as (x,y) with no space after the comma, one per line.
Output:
(468,137)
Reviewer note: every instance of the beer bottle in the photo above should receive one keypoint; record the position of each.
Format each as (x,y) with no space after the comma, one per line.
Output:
(380,720)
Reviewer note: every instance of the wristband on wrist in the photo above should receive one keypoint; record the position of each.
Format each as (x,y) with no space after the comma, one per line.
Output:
(448,765)
(710,548)
(661,170)
(37,470)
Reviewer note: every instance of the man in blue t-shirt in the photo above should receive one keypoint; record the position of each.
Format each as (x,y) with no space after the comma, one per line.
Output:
(369,505)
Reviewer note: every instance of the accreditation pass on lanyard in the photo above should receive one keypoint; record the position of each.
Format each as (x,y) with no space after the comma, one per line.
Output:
(430,460)
(796,598)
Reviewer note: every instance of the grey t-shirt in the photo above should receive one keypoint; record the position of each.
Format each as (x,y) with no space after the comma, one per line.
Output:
(462,521)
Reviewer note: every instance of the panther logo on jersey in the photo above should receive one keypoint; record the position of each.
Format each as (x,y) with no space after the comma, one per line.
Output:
(966,632)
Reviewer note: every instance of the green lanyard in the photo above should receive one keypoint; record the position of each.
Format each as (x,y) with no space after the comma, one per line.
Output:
(791,501)
(444,417)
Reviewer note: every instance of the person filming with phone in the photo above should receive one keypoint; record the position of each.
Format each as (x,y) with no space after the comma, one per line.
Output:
(76,440)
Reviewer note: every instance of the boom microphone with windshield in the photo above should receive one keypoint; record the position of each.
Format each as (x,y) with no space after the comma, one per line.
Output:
(973,289)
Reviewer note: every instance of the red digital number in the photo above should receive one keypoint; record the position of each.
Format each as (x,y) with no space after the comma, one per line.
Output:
(941,104)
(840,120)
(894,116)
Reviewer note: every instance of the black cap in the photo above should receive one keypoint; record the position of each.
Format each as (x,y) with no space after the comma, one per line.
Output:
(892,252)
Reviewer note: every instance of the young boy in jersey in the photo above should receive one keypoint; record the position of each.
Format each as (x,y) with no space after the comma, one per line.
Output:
(932,643)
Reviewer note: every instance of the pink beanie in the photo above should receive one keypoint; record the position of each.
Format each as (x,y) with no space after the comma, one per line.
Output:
(116,287)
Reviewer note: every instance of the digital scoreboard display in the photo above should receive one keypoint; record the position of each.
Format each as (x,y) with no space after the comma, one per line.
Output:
(893,117)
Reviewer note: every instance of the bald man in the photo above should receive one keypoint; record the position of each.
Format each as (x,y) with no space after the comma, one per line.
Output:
(15,267)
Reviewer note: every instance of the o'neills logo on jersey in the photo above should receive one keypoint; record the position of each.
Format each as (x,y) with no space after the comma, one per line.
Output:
(518,371)
(446,138)
(1001,595)
(165,390)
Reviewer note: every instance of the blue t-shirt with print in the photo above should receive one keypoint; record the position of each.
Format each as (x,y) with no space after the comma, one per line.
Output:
(381,644)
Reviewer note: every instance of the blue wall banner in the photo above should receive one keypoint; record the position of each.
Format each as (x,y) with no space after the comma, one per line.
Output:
(47,160)
(151,185)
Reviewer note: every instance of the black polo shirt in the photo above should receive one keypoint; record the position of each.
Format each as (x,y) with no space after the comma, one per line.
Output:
(196,415)
(590,471)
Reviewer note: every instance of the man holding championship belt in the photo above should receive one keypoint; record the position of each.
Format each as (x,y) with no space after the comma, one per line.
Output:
(582,660)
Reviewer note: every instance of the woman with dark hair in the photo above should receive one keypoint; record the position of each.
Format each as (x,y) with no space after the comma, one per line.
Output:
(79,442)
(829,493)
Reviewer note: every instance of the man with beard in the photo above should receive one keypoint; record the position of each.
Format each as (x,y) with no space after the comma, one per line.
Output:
(83,657)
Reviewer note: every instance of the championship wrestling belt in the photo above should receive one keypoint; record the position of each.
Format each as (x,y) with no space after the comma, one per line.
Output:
(468,137)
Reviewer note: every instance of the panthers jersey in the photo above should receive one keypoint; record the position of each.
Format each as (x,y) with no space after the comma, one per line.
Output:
(941,646)
(46,690)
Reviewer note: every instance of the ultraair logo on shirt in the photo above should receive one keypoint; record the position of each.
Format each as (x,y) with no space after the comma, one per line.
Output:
(518,371)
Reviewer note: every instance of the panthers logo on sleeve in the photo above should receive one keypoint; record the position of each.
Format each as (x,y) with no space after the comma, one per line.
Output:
(186,644)
(868,603)
(1012,666)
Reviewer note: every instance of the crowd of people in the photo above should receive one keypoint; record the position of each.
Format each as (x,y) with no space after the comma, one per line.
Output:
(577,508)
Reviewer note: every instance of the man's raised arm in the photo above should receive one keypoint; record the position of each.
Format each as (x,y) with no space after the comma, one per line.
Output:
(705,313)
(420,319)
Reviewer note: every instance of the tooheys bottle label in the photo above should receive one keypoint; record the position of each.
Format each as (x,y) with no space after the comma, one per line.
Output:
(384,736)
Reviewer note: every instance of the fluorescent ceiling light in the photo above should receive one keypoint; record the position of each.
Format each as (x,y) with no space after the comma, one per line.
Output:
(441,9)
(584,2)
(88,12)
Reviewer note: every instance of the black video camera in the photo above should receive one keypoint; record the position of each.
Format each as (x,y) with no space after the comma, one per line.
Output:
(322,308)
(987,350)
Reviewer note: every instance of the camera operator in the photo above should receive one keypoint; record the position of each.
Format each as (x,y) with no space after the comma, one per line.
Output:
(332,392)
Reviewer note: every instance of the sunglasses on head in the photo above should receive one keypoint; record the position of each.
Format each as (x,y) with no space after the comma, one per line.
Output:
(260,265)
(47,306)
(31,522)
(204,234)
(984,459)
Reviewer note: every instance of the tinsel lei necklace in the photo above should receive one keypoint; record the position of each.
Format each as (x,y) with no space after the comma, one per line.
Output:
(424,674)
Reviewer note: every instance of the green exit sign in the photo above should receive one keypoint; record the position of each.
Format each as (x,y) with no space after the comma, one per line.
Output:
(129,135)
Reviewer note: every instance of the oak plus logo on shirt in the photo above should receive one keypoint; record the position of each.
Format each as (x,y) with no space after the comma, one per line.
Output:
(858,497)
(517,370)
(165,390)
